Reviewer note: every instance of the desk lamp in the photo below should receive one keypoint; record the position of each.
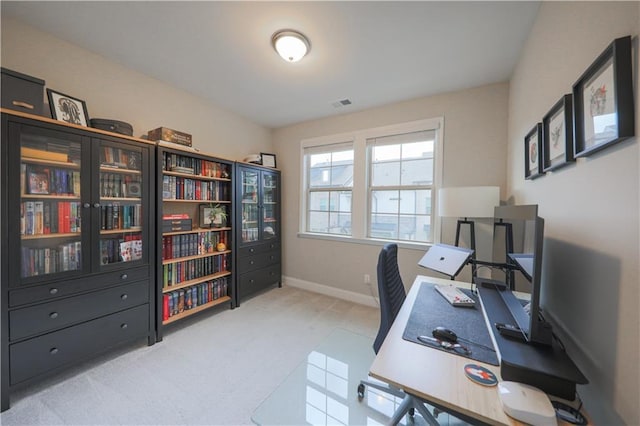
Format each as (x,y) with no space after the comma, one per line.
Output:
(468,202)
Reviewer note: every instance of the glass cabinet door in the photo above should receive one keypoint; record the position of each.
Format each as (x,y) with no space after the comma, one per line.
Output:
(120,204)
(51,210)
(269,206)
(250,210)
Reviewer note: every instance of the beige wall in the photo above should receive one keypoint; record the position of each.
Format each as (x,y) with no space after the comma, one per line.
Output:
(115,92)
(474,154)
(591,278)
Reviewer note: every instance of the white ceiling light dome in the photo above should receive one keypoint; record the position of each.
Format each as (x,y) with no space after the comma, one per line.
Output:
(290,45)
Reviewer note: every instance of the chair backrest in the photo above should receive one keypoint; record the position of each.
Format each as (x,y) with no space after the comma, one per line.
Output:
(390,289)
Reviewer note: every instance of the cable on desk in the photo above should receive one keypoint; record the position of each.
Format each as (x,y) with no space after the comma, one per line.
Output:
(477,344)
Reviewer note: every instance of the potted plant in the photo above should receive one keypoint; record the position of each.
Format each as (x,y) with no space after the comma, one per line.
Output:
(217,216)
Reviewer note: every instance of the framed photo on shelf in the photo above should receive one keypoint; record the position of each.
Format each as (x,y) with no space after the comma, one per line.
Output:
(557,135)
(603,100)
(533,153)
(212,216)
(67,108)
(268,160)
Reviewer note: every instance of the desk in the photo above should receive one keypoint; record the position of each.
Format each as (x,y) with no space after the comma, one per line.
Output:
(434,375)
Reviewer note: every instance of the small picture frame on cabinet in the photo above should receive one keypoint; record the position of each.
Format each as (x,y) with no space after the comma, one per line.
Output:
(557,135)
(268,160)
(67,108)
(533,153)
(603,100)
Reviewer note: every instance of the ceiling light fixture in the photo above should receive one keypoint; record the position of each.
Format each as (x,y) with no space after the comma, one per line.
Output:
(291,45)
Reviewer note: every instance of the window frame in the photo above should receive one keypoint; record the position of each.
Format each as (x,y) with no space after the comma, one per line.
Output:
(360,209)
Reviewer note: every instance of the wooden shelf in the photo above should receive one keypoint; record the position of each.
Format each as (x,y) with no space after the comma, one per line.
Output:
(67,165)
(196,230)
(194,281)
(109,169)
(198,256)
(120,199)
(56,235)
(178,200)
(120,231)
(51,197)
(197,309)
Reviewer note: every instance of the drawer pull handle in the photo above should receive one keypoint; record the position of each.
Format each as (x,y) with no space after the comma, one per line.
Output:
(272,257)
(251,281)
(251,262)
(124,297)
(53,290)
(22,104)
(53,315)
(123,326)
(252,250)
(53,351)
(124,276)
(96,205)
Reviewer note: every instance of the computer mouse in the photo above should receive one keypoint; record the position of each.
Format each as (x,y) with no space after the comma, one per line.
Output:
(444,334)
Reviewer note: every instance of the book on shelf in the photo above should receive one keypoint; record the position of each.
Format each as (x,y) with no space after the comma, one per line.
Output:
(40,154)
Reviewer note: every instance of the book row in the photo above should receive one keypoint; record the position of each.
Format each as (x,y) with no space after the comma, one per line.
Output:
(120,158)
(176,273)
(119,185)
(49,260)
(176,162)
(120,216)
(179,188)
(114,250)
(250,234)
(194,244)
(49,180)
(49,217)
(188,298)
(52,150)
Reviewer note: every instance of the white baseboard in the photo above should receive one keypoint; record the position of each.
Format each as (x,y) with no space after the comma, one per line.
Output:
(362,299)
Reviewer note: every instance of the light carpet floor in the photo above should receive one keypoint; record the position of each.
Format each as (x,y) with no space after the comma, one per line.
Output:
(215,369)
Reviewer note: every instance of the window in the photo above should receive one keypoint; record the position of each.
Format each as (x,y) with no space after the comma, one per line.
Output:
(330,182)
(400,186)
(374,184)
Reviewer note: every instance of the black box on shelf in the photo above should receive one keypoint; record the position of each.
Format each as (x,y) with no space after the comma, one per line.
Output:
(21,92)
(169,135)
(175,225)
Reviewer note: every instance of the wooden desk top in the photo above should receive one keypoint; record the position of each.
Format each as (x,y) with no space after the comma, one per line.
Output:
(435,375)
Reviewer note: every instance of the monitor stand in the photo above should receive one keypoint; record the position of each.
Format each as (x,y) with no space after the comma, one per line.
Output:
(548,368)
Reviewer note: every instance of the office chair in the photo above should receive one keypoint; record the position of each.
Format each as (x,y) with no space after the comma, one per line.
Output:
(392,294)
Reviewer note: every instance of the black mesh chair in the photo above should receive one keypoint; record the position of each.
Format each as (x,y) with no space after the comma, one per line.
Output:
(392,294)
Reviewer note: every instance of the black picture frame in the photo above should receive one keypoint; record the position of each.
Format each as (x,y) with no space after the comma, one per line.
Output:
(67,108)
(603,100)
(204,220)
(557,135)
(533,153)
(268,160)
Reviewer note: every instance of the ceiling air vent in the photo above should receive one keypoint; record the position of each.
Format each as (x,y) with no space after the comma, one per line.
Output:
(341,103)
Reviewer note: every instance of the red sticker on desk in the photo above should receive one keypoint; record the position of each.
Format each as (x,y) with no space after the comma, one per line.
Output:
(480,375)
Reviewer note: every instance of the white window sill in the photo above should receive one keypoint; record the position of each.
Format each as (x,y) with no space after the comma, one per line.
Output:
(368,241)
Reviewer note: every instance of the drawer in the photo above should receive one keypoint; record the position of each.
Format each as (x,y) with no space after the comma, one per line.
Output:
(257,280)
(65,312)
(57,289)
(258,261)
(258,248)
(66,347)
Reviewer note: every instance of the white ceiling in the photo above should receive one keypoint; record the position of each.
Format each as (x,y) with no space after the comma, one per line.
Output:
(372,53)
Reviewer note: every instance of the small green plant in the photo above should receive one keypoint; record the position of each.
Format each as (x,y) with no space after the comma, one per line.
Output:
(217,215)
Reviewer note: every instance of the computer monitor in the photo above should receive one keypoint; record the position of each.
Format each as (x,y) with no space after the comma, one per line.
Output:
(518,242)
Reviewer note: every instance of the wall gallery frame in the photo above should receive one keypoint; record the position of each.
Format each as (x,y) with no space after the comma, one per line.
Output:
(533,153)
(603,100)
(68,109)
(557,135)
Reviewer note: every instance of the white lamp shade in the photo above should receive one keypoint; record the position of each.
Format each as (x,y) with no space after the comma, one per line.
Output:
(468,201)
(290,45)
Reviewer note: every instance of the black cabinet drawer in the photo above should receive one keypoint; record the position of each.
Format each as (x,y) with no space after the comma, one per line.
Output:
(258,261)
(65,312)
(41,354)
(58,289)
(257,280)
(258,248)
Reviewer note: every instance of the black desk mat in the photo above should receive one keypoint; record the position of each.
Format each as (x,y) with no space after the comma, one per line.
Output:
(431,310)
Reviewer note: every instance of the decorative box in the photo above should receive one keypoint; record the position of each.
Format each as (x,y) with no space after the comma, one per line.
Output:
(175,225)
(169,135)
(21,92)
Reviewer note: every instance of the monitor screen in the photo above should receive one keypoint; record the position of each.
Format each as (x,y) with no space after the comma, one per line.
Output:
(518,240)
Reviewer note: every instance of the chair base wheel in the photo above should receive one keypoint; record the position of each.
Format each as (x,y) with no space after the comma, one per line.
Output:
(360,392)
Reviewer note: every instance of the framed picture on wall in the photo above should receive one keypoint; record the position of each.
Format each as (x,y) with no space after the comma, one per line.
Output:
(68,109)
(533,153)
(557,135)
(268,160)
(603,100)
